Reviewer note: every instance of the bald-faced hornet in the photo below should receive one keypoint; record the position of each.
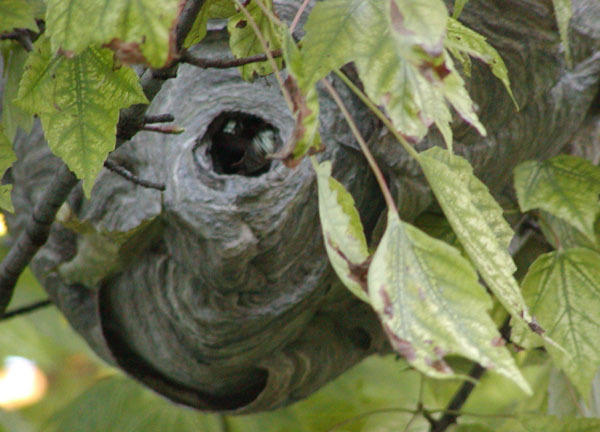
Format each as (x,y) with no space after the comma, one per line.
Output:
(241,143)
(255,156)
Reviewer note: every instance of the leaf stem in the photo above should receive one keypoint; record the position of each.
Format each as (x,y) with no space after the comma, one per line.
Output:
(387,195)
(298,15)
(268,13)
(380,115)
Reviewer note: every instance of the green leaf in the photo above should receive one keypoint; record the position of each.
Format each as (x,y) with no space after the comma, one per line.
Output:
(16,14)
(5,199)
(464,40)
(401,63)
(431,305)
(562,235)
(477,221)
(543,423)
(563,11)
(343,232)
(459,5)
(12,115)
(38,7)
(565,186)
(563,291)
(421,23)
(562,401)
(118,403)
(211,9)
(244,42)
(7,157)
(330,36)
(101,253)
(472,428)
(142,28)
(78,101)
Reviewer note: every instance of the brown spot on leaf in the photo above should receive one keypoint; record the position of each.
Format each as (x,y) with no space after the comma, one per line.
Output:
(388,308)
(313,151)
(498,341)
(397,19)
(67,53)
(439,365)
(434,69)
(358,272)
(127,52)
(535,327)
(241,24)
(403,347)
(439,351)
(441,70)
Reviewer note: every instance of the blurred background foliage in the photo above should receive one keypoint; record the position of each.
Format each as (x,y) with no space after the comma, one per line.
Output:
(78,392)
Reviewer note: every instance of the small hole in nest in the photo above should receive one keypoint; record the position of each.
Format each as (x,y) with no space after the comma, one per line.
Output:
(239,143)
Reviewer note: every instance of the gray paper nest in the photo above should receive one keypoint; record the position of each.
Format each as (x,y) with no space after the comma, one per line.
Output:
(229,303)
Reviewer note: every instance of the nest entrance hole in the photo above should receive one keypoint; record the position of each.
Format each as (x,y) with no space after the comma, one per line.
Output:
(238,143)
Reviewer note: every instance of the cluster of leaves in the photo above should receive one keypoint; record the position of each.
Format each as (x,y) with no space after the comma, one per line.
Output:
(426,292)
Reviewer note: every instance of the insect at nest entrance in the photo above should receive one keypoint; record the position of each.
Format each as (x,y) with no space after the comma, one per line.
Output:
(239,143)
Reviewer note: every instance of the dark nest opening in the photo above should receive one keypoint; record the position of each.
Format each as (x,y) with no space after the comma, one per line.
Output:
(239,143)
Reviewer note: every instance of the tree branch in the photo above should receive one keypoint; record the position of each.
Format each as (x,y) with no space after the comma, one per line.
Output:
(159,118)
(26,309)
(205,63)
(131,121)
(123,172)
(22,36)
(458,400)
(463,393)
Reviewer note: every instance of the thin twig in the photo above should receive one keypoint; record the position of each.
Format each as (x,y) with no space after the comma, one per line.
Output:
(126,174)
(459,399)
(22,36)
(298,15)
(206,63)
(9,36)
(159,118)
(26,309)
(164,129)
(380,115)
(387,195)
(131,120)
